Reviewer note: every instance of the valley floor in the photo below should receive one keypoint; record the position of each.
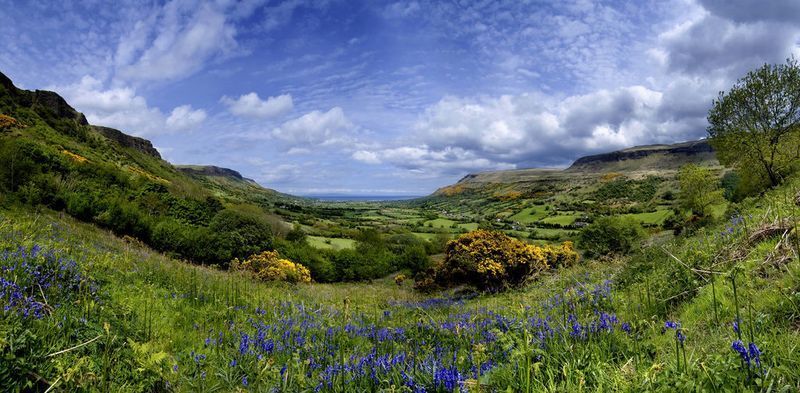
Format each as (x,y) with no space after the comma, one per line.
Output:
(85,310)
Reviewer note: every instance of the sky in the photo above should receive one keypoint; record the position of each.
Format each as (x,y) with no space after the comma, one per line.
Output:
(392,97)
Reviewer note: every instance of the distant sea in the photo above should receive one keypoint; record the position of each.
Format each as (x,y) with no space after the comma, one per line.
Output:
(363,198)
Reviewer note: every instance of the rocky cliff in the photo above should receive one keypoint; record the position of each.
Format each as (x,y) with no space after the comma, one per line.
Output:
(43,101)
(678,150)
(211,170)
(133,142)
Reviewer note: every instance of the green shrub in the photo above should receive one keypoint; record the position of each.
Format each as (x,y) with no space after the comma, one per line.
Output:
(610,235)
(241,233)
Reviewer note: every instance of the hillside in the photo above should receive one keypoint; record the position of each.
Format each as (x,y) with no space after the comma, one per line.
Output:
(631,161)
(124,318)
(107,177)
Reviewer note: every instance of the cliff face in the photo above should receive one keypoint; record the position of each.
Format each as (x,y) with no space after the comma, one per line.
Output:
(133,142)
(686,149)
(210,170)
(42,100)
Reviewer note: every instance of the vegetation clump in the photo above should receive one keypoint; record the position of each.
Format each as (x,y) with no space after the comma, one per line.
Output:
(8,122)
(610,235)
(269,266)
(492,261)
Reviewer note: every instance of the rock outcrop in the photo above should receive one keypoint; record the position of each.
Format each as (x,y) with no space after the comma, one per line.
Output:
(42,100)
(210,170)
(133,142)
(679,149)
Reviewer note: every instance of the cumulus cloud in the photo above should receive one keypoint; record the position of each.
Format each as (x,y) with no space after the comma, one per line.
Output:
(250,105)
(458,134)
(123,108)
(731,37)
(713,44)
(316,129)
(184,117)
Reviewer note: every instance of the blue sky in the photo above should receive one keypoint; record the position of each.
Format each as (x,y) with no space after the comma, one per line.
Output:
(392,97)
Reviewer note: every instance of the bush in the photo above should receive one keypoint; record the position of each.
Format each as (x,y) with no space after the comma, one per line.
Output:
(492,261)
(241,233)
(268,266)
(610,235)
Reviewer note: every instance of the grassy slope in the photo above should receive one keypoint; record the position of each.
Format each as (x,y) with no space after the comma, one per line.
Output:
(161,311)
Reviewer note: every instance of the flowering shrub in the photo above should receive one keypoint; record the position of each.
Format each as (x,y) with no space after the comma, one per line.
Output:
(269,266)
(8,122)
(492,260)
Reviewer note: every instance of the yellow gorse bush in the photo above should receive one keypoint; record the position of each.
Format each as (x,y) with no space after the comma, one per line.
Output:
(8,122)
(269,266)
(493,260)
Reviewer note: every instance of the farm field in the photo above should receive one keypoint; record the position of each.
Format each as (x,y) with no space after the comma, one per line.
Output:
(330,243)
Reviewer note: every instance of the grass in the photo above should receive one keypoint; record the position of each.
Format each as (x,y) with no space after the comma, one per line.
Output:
(333,243)
(530,214)
(139,321)
(561,219)
(470,226)
(440,223)
(650,218)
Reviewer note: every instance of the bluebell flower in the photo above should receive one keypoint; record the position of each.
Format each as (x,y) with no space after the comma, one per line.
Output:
(244,380)
(738,346)
(754,353)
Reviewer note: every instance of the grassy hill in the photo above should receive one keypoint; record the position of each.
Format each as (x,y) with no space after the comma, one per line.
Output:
(86,310)
(545,204)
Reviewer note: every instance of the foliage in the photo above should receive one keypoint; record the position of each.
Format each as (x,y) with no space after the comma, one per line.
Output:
(8,122)
(492,261)
(755,126)
(634,190)
(610,235)
(649,324)
(269,266)
(699,189)
(242,232)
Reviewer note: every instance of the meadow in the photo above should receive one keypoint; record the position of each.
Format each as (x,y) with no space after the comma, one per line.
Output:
(717,311)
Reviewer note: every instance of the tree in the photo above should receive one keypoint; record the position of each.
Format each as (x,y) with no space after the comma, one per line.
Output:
(610,235)
(755,127)
(700,189)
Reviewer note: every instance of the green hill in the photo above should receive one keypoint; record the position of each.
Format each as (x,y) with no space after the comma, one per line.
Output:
(547,204)
(102,175)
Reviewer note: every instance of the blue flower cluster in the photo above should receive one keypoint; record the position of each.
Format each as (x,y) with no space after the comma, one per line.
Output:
(425,346)
(33,282)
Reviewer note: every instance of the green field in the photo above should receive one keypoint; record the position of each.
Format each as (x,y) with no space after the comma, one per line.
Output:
(331,243)
(439,223)
(530,214)
(470,226)
(561,219)
(652,218)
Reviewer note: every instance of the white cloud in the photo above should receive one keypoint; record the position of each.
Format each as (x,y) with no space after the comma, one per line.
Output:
(368,157)
(123,108)
(460,134)
(184,117)
(251,105)
(175,41)
(316,128)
